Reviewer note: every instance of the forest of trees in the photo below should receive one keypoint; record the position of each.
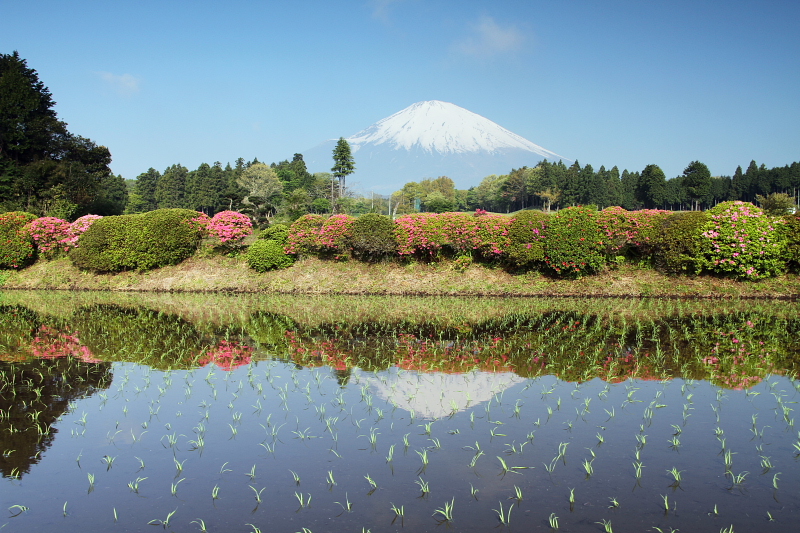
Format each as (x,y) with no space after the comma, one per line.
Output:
(46,170)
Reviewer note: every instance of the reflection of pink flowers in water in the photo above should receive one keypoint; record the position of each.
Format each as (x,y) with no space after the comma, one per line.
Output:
(50,343)
(228,355)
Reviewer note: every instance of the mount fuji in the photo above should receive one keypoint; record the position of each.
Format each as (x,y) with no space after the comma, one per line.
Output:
(427,140)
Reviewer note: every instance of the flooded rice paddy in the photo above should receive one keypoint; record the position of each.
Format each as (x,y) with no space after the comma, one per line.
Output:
(336,414)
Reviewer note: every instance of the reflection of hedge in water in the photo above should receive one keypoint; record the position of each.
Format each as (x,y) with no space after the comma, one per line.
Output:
(268,332)
(732,350)
(18,326)
(33,394)
(138,335)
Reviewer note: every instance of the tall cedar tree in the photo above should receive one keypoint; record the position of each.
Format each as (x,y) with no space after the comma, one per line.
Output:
(343,163)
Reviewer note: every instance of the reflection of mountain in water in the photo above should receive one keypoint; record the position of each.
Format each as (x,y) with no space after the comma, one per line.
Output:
(33,396)
(435,394)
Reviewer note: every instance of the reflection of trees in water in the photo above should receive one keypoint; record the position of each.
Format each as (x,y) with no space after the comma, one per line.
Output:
(33,395)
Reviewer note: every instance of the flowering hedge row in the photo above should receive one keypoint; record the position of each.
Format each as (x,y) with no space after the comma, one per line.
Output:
(734,238)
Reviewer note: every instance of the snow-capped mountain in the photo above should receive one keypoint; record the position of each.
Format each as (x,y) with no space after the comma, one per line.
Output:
(427,140)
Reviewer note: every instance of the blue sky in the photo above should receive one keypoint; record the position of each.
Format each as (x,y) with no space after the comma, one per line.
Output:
(625,83)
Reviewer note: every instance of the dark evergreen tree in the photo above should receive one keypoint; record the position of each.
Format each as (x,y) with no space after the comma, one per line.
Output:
(697,183)
(145,190)
(170,189)
(112,199)
(650,188)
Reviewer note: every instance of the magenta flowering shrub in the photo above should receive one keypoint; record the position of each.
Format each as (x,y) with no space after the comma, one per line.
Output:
(80,226)
(303,234)
(316,234)
(630,230)
(229,227)
(51,235)
(333,236)
(741,240)
(427,235)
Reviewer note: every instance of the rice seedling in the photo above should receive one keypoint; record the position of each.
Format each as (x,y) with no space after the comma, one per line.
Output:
(304,502)
(613,503)
(164,523)
(606,525)
(174,487)
(553,519)
(257,492)
(473,491)
(504,516)
(399,512)
(446,511)
(215,492)
(252,473)
(134,485)
(329,479)
(423,486)
(202,524)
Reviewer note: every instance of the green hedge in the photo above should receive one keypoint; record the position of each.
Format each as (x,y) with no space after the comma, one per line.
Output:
(268,255)
(276,232)
(792,232)
(16,242)
(526,236)
(676,244)
(372,237)
(573,243)
(138,242)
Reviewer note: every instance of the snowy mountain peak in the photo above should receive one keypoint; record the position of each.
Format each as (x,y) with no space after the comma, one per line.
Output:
(443,128)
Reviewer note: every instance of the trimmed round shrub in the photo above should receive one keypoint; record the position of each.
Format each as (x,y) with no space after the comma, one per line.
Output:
(265,255)
(51,235)
(372,237)
(303,234)
(16,244)
(276,232)
(526,239)
(792,232)
(677,243)
(138,242)
(741,240)
(573,243)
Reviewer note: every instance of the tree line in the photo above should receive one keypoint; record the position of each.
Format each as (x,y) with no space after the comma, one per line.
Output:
(555,185)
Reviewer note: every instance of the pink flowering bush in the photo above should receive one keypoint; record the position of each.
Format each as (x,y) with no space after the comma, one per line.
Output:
(229,227)
(80,226)
(741,240)
(429,235)
(316,234)
(332,238)
(51,235)
(634,231)
(303,234)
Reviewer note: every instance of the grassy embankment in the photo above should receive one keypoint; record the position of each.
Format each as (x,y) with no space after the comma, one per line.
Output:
(313,276)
